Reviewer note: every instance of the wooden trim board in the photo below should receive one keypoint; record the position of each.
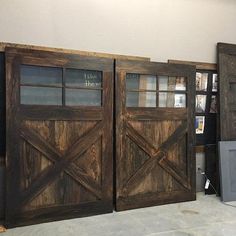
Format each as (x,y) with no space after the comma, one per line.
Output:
(199,65)
(3,45)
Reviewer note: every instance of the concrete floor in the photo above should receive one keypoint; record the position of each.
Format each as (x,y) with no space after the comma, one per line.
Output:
(207,216)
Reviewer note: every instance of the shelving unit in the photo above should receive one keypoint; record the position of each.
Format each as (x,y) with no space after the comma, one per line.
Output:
(209,109)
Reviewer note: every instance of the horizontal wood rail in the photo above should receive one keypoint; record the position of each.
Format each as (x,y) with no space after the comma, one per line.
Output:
(3,45)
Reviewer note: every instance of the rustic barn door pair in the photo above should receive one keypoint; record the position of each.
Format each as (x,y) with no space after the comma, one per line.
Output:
(60,135)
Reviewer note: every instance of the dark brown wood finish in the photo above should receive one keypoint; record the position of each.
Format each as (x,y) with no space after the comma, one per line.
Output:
(2,135)
(199,65)
(155,154)
(227,76)
(59,158)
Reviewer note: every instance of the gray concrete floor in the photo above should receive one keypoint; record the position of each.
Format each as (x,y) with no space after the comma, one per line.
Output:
(207,216)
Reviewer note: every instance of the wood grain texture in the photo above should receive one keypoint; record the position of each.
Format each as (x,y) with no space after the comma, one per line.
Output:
(3,46)
(198,65)
(59,159)
(2,110)
(155,114)
(155,152)
(160,155)
(200,149)
(227,89)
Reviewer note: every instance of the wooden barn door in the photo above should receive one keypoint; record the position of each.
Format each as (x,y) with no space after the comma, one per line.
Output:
(227,88)
(59,136)
(155,158)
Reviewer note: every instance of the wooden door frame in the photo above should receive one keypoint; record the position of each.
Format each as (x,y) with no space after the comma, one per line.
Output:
(123,67)
(224,50)
(17,112)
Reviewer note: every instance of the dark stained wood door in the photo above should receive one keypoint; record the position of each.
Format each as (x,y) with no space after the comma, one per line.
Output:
(155,157)
(59,136)
(227,88)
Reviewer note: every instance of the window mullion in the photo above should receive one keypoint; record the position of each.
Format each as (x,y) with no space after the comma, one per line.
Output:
(63,87)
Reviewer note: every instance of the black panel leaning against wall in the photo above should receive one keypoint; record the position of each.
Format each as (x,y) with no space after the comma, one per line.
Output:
(227,74)
(2,106)
(2,134)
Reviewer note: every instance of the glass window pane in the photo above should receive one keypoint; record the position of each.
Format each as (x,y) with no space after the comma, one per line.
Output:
(83,78)
(137,81)
(213,106)
(40,95)
(200,103)
(201,81)
(180,100)
(172,100)
(163,82)
(180,83)
(162,100)
(171,83)
(40,75)
(214,82)
(83,97)
(141,99)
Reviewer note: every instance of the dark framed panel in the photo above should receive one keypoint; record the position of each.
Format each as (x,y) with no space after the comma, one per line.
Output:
(59,136)
(2,108)
(227,73)
(155,155)
(227,153)
(2,135)
(208,109)
(208,94)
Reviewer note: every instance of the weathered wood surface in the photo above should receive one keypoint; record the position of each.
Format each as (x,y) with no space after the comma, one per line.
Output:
(3,46)
(155,154)
(199,65)
(227,90)
(59,158)
(2,110)
(200,149)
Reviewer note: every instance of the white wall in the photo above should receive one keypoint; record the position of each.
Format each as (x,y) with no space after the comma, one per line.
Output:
(160,29)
